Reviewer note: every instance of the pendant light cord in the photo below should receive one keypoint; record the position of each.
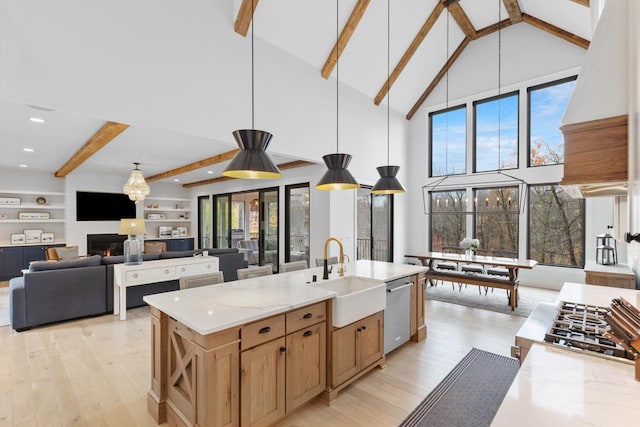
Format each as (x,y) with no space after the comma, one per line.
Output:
(252,71)
(337,80)
(499,79)
(388,73)
(446,101)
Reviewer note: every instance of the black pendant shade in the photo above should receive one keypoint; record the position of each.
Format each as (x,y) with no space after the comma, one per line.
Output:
(252,161)
(388,183)
(337,177)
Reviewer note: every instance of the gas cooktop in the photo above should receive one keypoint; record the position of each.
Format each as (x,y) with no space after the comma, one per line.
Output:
(583,326)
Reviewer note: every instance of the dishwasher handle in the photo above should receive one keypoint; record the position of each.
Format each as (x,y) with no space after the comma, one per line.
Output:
(396,289)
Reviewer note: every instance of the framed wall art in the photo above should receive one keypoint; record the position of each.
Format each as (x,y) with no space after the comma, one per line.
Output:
(17,239)
(47,237)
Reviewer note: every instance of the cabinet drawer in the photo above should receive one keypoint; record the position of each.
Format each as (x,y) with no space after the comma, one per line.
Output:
(150,275)
(261,331)
(191,269)
(305,316)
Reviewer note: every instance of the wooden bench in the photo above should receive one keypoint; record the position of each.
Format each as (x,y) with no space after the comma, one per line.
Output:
(487,280)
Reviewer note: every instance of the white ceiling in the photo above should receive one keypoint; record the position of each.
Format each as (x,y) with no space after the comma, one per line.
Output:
(305,29)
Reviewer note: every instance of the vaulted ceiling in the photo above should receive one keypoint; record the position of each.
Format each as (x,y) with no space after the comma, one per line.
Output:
(426,39)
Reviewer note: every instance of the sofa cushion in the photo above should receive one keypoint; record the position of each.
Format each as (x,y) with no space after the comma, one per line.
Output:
(218,251)
(119,259)
(69,263)
(178,254)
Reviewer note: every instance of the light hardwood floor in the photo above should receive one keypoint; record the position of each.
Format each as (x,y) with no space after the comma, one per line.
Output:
(95,372)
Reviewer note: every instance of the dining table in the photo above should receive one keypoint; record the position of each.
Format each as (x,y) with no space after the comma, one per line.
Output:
(509,281)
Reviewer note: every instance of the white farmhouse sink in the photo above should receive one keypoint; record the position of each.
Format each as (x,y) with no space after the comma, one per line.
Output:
(358,297)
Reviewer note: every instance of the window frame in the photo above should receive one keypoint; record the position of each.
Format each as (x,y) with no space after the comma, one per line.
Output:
(529,90)
(474,193)
(465,213)
(474,142)
(430,148)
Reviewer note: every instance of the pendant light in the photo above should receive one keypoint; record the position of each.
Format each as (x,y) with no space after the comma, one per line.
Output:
(252,161)
(337,176)
(388,183)
(136,187)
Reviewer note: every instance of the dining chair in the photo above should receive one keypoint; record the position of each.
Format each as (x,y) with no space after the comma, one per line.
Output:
(448,265)
(293,266)
(250,272)
(331,259)
(476,269)
(197,280)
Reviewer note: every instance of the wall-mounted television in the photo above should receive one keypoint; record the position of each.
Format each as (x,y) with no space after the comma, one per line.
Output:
(92,206)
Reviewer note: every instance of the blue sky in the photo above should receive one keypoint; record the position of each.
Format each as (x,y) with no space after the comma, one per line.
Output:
(547,108)
(498,151)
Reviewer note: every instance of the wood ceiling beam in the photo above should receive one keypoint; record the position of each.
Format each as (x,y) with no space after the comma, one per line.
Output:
(345,36)
(582,2)
(244,17)
(556,31)
(411,50)
(107,133)
(218,158)
(463,20)
(281,166)
(494,27)
(443,71)
(513,9)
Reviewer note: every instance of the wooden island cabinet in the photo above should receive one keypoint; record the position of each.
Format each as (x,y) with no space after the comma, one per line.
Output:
(249,352)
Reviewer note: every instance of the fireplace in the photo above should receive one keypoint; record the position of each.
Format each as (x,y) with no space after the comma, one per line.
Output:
(105,244)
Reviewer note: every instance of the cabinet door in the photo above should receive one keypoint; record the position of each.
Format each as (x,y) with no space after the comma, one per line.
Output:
(344,353)
(371,339)
(32,253)
(10,263)
(262,383)
(306,364)
(179,244)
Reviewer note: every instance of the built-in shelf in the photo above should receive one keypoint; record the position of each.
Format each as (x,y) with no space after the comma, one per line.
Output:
(30,221)
(167,220)
(161,209)
(32,206)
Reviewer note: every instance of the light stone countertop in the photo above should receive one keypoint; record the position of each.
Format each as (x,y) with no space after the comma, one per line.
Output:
(556,387)
(215,308)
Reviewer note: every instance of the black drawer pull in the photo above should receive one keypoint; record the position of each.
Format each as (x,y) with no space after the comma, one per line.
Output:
(265,330)
(307,316)
(364,328)
(307,334)
(283,349)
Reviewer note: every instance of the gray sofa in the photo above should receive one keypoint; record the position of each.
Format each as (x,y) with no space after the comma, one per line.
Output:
(56,291)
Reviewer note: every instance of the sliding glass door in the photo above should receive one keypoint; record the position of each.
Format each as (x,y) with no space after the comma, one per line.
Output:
(297,220)
(222,221)
(205,221)
(374,225)
(269,219)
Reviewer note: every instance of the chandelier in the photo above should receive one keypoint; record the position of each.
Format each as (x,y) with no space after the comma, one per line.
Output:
(136,187)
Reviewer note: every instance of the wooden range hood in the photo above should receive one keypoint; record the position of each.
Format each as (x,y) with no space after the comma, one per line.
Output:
(595,157)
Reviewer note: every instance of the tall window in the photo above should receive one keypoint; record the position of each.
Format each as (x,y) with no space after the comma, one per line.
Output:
(237,215)
(496,133)
(496,218)
(448,218)
(297,222)
(374,225)
(448,141)
(556,227)
(547,104)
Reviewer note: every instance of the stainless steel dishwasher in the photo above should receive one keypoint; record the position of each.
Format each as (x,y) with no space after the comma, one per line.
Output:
(397,322)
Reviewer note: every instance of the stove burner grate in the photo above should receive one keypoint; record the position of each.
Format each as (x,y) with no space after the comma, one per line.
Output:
(583,326)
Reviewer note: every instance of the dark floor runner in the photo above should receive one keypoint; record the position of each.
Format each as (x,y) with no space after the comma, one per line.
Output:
(469,395)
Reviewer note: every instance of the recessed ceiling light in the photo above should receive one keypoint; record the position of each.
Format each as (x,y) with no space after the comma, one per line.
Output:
(36,119)
(209,171)
(28,150)
(176,179)
(23,166)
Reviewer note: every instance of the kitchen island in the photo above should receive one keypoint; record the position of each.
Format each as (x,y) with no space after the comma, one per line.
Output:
(248,352)
(557,385)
